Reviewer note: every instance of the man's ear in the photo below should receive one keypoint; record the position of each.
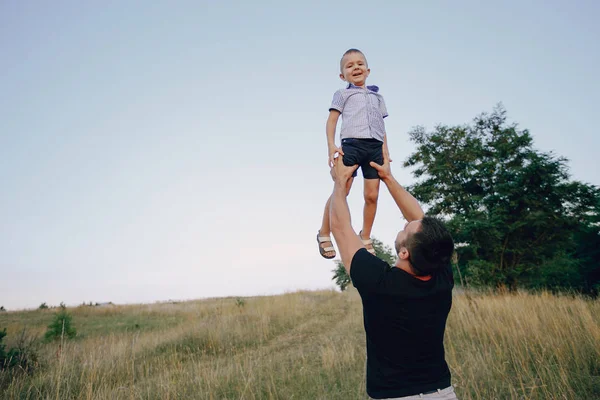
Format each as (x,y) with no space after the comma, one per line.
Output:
(342,77)
(404,253)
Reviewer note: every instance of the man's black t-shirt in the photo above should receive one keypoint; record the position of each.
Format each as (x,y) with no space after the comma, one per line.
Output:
(405,320)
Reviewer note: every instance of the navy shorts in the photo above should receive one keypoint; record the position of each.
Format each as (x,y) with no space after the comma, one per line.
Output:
(362,152)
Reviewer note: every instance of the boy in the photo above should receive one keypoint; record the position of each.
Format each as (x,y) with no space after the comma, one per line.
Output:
(363,140)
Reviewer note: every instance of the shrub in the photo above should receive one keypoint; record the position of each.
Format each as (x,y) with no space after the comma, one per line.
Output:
(60,326)
(24,355)
(240,302)
(2,347)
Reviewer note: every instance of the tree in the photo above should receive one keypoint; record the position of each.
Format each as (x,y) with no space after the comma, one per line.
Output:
(341,277)
(511,207)
(43,306)
(61,326)
(587,253)
(2,309)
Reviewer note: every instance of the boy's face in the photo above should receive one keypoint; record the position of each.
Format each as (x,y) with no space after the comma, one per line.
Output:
(354,69)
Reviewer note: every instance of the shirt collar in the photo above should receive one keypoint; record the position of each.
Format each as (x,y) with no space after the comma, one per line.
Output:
(372,88)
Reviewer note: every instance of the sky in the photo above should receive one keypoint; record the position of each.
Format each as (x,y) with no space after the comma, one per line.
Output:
(175,150)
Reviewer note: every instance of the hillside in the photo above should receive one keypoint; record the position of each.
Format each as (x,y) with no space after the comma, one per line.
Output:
(304,345)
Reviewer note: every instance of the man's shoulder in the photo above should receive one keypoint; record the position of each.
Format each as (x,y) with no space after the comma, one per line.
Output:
(363,256)
(366,270)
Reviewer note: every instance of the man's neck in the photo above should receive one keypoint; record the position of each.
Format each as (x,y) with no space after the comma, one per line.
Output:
(405,266)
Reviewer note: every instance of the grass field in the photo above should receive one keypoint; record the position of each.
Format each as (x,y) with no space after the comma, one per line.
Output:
(304,345)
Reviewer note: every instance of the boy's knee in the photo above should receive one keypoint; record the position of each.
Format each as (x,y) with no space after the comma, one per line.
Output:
(371,196)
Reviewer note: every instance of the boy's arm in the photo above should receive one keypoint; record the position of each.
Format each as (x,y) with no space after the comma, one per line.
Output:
(330,131)
(386,151)
(384,114)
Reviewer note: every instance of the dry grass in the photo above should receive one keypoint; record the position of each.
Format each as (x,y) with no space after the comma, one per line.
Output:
(305,345)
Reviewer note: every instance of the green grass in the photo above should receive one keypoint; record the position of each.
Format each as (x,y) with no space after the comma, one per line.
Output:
(305,345)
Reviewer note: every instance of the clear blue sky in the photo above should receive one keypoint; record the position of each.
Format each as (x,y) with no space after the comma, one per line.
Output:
(154,150)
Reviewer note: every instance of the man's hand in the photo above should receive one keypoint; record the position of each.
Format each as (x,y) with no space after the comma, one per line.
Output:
(408,205)
(332,151)
(384,171)
(347,240)
(341,173)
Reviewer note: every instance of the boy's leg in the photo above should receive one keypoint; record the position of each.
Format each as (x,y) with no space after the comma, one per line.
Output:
(371,193)
(325,227)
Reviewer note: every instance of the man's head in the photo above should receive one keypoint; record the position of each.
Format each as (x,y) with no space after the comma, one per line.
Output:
(354,68)
(426,244)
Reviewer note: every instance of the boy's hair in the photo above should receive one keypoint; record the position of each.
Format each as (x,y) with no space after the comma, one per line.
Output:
(430,248)
(350,51)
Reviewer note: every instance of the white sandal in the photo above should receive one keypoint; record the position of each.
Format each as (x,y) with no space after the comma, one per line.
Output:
(323,250)
(367,242)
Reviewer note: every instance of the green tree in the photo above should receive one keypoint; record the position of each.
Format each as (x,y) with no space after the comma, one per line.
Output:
(512,208)
(61,326)
(587,253)
(43,306)
(341,277)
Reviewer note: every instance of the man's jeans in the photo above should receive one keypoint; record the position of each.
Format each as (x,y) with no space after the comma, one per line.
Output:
(441,394)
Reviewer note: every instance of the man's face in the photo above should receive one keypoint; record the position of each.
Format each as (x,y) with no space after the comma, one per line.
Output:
(409,229)
(355,69)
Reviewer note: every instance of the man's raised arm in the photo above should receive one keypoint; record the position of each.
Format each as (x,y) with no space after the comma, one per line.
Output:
(408,205)
(347,240)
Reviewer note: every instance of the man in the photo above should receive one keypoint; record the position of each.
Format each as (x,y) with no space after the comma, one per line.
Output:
(405,307)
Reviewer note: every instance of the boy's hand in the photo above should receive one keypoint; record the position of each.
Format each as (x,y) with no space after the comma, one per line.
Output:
(332,151)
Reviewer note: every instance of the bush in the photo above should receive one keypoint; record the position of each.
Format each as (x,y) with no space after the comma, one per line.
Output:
(24,355)
(60,326)
(557,274)
(340,276)
(2,309)
(2,347)
(43,306)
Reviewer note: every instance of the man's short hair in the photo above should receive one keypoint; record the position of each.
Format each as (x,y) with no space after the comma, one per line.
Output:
(350,51)
(431,247)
